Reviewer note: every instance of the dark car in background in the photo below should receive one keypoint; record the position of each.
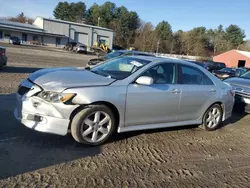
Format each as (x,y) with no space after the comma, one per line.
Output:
(212,66)
(3,58)
(224,73)
(199,63)
(240,71)
(14,40)
(115,54)
(229,72)
(241,86)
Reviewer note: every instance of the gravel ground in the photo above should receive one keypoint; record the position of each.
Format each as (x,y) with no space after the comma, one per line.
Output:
(183,157)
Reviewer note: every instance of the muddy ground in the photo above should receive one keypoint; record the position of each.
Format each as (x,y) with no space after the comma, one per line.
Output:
(183,157)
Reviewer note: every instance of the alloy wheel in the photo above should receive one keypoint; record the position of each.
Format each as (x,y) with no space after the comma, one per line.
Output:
(96,126)
(213,117)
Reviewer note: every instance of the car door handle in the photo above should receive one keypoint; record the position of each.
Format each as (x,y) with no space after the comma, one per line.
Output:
(175,91)
(212,90)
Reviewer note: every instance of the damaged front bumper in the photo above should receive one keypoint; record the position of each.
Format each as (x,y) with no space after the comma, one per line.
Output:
(40,115)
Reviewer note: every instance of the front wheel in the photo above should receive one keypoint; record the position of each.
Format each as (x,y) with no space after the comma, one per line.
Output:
(212,118)
(93,125)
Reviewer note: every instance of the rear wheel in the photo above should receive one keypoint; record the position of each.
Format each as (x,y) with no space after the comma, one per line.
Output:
(93,125)
(212,118)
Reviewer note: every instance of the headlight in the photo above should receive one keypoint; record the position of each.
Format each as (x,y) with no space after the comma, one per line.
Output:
(56,97)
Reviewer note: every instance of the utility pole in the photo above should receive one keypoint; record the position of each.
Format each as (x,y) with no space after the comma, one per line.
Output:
(157,49)
(98,21)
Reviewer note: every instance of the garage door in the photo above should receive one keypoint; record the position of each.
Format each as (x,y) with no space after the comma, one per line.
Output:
(82,38)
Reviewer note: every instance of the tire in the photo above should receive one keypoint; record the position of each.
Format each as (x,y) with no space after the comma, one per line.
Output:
(214,113)
(86,127)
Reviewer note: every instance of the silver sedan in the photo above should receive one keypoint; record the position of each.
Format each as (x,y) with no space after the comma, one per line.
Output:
(123,94)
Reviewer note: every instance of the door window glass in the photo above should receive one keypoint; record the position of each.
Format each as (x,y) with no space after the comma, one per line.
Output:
(193,76)
(162,74)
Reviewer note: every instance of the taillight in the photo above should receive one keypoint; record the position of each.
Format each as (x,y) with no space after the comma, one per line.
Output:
(2,53)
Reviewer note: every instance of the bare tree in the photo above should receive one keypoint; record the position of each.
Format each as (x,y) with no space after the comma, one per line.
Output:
(21,18)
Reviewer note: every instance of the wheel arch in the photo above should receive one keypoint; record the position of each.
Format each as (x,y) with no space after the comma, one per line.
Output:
(222,108)
(111,106)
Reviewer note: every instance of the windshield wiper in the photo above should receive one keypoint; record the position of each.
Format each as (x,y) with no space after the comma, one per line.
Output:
(102,73)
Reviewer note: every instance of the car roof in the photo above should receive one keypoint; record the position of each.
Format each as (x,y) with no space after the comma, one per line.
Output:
(2,47)
(154,59)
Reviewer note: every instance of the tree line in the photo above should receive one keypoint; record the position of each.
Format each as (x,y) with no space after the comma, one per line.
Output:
(131,31)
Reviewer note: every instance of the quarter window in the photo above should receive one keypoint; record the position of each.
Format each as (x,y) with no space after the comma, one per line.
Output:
(193,76)
(162,74)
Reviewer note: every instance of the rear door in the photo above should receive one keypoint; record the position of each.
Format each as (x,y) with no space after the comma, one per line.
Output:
(156,103)
(197,92)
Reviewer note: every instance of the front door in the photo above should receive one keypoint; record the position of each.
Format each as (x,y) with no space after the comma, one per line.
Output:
(156,103)
(197,92)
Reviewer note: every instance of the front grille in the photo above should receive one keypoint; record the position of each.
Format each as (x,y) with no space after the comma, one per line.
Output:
(23,90)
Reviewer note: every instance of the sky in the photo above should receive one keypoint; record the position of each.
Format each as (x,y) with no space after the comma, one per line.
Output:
(181,14)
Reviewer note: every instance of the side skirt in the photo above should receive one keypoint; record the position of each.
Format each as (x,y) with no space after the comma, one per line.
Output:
(157,126)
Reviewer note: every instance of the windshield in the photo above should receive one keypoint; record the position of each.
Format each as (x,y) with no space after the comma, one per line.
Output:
(246,75)
(119,68)
(112,55)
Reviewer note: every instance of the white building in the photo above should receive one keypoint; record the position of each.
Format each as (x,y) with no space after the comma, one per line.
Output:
(52,32)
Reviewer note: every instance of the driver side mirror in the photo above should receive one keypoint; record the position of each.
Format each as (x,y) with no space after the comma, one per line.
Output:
(144,80)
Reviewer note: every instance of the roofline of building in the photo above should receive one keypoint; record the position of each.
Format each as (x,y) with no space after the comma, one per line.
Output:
(233,50)
(74,23)
(23,26)
(41,32)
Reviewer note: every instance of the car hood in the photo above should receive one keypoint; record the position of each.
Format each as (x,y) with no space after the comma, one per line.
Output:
(59,79)
(239,82)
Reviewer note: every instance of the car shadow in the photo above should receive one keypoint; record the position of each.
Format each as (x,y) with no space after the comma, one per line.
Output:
(10,69)
(237,115)
(23,150)
(126,135)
